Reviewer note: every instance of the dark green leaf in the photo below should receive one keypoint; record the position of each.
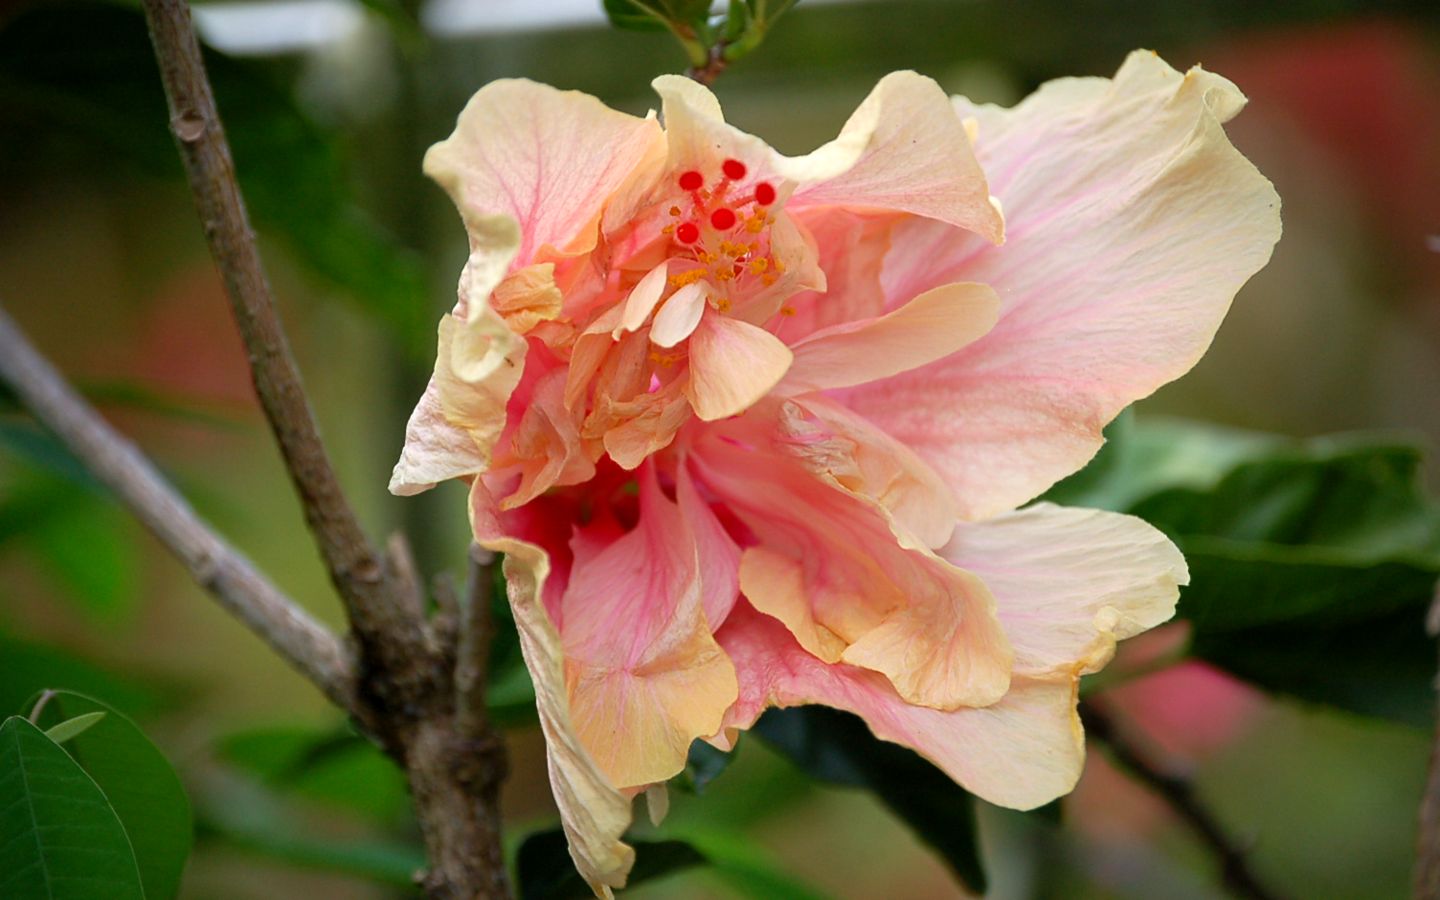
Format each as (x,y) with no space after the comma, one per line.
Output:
(336,767)
(80,83)
(59,837)
(139,782)
(546,872)
(837,747)
(703,765)
(657,15)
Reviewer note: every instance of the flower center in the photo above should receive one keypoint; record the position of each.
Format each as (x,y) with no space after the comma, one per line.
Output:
(723,239)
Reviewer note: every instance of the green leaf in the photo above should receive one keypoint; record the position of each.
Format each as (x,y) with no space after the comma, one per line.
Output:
(59,837)
(837,747)
(1312,562)
(72,727)
(546,872)
(80,83)
(143,789)
(335,767)
(657,15)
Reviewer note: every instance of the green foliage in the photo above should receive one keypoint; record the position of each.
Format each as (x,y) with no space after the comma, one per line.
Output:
(837,747)
(703,765)
(1312,562)
(82,79)
(30,666)
(335,767)
(60,839)
(141,787)
(735,34)
(73,727)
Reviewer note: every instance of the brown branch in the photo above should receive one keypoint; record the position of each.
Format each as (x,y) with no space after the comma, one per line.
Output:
(390,639)
(221,569)
(477,632)
(715,64)
(1427,847)
(1179,794)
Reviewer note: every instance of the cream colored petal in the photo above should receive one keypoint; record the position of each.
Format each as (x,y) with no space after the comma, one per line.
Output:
(677,319)
(732,365)
(642,298)
(1069,583)
(1132,224)
(593,813)
(932,326)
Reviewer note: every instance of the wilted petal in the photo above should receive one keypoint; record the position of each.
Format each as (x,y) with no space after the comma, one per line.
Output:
(644,673)
(455,426)
(593,812)
(1132,222)
(1069,583)
(732,365)
(1021,752)
(929,327)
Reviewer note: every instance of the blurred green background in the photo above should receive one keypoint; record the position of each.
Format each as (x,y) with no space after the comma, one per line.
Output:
(330,104)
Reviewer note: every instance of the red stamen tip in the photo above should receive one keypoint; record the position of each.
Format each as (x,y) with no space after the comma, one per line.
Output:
(691,181)
(734,169)
(687,233)
(764,193)
(723,219)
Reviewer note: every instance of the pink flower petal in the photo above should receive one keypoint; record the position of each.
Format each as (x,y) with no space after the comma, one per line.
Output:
(645,676)
(732,365)
(1132,222)
(932,326)
(1069,583)
(1021,752)
(677,319)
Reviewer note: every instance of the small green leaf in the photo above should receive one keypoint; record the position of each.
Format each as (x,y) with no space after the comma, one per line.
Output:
(837,747)
(60,839)
(142,787)
(71,728)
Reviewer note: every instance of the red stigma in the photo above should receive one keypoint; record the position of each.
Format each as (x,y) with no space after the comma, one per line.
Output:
(723,219)
(691,181)
(734,169)
(764,193)
(687,233)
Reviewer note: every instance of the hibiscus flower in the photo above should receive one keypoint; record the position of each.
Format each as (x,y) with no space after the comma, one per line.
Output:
(756,430)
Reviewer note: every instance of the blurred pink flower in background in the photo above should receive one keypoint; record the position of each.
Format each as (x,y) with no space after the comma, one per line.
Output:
(753,430)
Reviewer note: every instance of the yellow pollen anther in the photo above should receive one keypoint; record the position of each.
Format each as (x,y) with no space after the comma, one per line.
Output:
(723,304)
(759,265)
(787,310)
(685,278)
(674,210)
(668,229)
(725,275)
(768,278)
(755,225)
(664,359)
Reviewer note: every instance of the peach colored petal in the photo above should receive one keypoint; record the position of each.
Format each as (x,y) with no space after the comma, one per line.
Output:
(593,813)
(829,439)
(527,297)
(851,583)
(549,160)
(643,425)
(1132,222)
(851,247)
(677,319)
(718,553)
(546,447)
(1069,583)
(641,693)
(1021,752)
(932,326)
(732,365)
(453,430)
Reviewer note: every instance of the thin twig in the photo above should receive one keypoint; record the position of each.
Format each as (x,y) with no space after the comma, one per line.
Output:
(218,567)
(1179,794)
(1427,847)
(359,573)
(715,64)
(477,633)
